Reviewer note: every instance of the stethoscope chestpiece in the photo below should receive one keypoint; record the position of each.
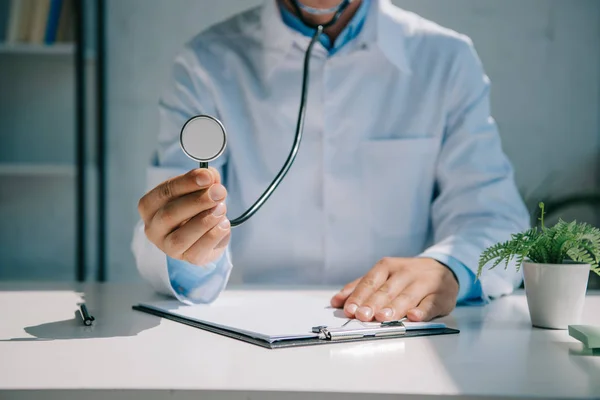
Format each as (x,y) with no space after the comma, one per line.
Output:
(203,139)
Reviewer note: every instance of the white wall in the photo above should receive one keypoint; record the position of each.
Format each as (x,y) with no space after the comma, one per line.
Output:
(543,57)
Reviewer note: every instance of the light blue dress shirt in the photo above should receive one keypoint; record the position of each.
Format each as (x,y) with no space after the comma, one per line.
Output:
(350,31)
(400,156)
(469,287)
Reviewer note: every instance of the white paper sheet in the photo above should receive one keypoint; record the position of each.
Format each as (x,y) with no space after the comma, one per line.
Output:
(268,315)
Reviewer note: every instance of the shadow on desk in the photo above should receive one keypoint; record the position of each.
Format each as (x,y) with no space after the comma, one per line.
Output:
(72,329)
(110,305)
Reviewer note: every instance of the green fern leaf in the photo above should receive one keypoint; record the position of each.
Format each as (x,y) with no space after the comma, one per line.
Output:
(579,242)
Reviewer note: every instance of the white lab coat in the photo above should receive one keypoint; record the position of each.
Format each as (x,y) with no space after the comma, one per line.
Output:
(400,156)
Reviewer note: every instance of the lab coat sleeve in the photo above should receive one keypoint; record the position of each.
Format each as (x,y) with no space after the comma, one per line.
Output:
(477,202)
(188,93)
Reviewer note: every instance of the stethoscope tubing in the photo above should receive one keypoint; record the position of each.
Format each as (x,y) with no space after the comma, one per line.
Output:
(297,139)
(301,116)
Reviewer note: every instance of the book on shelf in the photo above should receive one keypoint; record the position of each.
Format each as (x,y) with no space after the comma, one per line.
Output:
(54,11)
(65,30)
(39,18)
(37,21)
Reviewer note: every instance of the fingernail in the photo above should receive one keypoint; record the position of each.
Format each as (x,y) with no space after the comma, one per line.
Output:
(217,192)
(219,210)
(387,312)
(203,179)
(351,308)
(417,313)
(225,224)
(367,312)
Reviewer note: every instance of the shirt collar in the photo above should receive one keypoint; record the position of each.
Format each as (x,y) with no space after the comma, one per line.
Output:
(350,31)
(385,27)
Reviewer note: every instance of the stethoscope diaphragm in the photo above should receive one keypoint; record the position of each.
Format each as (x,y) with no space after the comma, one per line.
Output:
(203,139)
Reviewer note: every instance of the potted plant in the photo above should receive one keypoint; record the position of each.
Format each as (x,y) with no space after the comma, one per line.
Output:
(556,264)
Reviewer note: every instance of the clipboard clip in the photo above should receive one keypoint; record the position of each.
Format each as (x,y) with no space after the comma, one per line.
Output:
(365,329)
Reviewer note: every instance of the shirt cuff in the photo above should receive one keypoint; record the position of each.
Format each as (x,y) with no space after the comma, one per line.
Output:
(198,284)
(469,288)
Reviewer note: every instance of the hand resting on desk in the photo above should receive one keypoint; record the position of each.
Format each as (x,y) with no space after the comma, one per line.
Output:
(419,288)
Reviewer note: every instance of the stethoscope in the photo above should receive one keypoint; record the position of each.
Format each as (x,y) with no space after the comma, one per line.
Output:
(203,138)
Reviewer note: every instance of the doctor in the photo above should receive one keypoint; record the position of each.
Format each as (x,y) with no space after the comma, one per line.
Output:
(399,185)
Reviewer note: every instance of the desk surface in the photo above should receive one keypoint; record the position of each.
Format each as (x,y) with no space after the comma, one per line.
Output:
(43,345)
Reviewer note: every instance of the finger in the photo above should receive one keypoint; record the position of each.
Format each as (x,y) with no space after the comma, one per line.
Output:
(181,239)
(215,174)
(174,213)
(375,305)
(203,251)
(173,188)
(339,299)
(432,306)
(364,289)
(409,298)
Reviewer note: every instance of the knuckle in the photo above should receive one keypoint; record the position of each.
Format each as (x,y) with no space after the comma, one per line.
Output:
(383,262)
(175,242)
(385,291)
(141,206)
(368,282)
(166,190)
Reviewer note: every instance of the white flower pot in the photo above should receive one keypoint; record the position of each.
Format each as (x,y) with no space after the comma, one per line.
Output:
(555,293)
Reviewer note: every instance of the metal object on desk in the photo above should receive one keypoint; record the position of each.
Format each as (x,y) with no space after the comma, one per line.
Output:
(88,320)
(387,328)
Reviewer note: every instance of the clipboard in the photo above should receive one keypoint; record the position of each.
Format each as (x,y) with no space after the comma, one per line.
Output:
(326,335)
(231,316)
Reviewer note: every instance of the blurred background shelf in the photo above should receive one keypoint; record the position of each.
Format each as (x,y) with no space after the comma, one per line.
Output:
(30,49)
(50,117)
(34,49)
(42,170)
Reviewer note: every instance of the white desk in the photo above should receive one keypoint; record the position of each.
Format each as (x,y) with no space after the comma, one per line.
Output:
(130,354)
